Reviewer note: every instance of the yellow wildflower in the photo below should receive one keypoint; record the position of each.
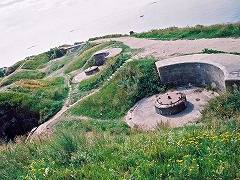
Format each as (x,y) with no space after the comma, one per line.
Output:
(180,161)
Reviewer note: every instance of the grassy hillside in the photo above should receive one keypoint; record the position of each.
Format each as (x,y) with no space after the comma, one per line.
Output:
(96,149)
(197,32)
(90,49)
(37,61)
(23,74)
(30,103)
(137,79)
(107,36)
(13,68)
(101,145)
(28,106)
(45,96)
(109,150)
(112,65)
(52,88)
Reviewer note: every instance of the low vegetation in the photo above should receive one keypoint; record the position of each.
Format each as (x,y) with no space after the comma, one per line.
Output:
(102,146)
(25,106)
(197,32)
(14,67)
(135,80)
(110,150)
(54,68)
(53,88)
(90,49)
(107,36)
(111,66)
(225,106)
(213,51)
(37,61)
(30,103)
(23,74)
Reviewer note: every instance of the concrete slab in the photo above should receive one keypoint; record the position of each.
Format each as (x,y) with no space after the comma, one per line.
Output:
(144,116)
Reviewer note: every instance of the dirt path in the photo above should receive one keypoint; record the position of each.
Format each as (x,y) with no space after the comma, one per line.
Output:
(166,49)
(45,128)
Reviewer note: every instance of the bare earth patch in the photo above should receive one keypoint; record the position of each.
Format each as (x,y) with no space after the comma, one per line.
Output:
(144,116)
(160,49)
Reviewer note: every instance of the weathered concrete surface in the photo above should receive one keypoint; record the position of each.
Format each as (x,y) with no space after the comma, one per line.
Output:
(220,70)
(144,116)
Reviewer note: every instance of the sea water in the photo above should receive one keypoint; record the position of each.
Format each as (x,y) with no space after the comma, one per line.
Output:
(29,27)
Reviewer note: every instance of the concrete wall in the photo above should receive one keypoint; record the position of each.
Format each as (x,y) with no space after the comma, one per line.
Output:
(198,74)
(100,58)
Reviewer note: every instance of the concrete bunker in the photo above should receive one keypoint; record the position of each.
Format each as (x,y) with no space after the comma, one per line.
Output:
(100,58)
(171,103)
(194,73)
(219,71)
(91,70)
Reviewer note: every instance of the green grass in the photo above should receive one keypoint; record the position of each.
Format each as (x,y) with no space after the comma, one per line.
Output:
(54,66)
(23,74)
(97,149)
(40,60)
(225,106)
(134,81)
(213,51)
(114,127)
(115,62)
(108,36)
(104,152)
(53,88)
(90,49)
(12,68)
(32,102)
(25,106)
(37,61)
(197,32)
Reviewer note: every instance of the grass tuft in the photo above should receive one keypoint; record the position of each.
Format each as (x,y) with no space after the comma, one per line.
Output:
(197,32)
